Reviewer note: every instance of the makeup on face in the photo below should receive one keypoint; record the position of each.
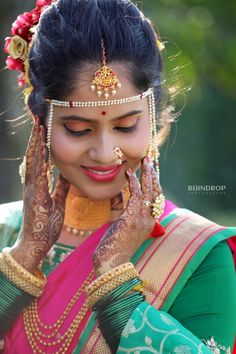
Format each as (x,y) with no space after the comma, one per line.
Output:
(77,125)
(102,174)
(83,141)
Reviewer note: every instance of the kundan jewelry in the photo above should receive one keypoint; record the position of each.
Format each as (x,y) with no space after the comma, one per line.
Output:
(83,215)
(119,154)
(105,79)
(158,207)
(147,203)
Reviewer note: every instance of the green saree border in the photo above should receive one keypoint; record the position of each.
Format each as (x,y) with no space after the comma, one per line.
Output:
(85,334)
(90,325)
(148,243)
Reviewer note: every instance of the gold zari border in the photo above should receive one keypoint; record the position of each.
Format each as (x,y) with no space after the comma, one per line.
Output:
(159,269)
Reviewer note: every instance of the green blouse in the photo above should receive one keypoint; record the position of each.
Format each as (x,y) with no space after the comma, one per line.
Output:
(205,307)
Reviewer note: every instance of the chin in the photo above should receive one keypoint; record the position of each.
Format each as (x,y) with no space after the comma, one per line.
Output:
(101,192)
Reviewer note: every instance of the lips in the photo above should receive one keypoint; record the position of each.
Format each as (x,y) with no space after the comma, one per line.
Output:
(102,174)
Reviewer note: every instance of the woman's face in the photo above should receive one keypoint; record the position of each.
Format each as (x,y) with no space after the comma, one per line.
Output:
(83,139)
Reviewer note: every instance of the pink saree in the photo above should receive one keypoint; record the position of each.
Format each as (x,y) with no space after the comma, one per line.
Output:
(62,285)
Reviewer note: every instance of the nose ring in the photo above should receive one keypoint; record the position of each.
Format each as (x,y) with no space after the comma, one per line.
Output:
(119,154)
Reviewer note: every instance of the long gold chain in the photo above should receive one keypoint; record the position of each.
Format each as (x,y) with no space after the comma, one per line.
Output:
(33,323)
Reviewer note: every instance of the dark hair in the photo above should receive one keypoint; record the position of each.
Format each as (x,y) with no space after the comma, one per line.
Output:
(69,35)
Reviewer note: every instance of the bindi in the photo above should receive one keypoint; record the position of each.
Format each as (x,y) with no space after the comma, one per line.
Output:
(104,113)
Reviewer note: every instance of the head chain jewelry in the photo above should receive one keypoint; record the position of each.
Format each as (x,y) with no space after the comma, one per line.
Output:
(18,46)
(88,104)
(105,79)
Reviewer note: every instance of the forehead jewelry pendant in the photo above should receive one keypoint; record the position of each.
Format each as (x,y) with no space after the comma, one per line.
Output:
(105,79)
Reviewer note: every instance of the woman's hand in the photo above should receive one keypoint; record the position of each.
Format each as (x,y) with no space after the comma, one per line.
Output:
(134,225)
(43,214)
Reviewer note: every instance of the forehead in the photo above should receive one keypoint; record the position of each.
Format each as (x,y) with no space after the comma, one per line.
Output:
(82,92)
(82,83)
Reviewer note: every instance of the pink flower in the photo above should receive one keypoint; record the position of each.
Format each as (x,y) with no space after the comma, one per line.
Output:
(14,64)
(24,32)
(22,25)
(21,79)
(35,16)
(41,3)
(7,43)
(27,17)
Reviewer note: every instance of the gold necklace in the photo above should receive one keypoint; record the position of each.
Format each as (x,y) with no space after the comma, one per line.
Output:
(86,214)
(33,324)
(83,215)
(77,232)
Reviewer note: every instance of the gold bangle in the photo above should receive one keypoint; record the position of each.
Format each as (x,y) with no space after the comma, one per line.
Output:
(18,281)
(108,276)
(39,279)
(114,283)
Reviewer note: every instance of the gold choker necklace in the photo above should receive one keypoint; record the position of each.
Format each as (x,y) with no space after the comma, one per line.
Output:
(83,215)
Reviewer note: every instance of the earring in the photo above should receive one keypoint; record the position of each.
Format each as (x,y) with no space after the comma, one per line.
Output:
(119,154)
(153,150)
(50,175)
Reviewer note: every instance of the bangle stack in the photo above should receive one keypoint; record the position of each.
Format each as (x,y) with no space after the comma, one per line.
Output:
(110,281)
(12,301)
(114,296)
(20,277)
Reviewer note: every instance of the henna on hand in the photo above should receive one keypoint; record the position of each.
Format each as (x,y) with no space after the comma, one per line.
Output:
(43,214)
(134,225)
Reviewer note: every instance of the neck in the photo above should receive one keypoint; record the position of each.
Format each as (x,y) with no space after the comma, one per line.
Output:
(82,213)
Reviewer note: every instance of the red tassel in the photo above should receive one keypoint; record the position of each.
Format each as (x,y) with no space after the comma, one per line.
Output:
(158,231)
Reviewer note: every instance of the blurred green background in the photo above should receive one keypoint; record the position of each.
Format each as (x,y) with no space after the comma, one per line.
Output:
(200,53)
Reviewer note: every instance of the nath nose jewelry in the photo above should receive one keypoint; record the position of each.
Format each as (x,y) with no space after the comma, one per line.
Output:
(119,154)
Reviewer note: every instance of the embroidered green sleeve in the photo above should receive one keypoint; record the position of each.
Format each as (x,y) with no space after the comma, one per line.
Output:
(153,331)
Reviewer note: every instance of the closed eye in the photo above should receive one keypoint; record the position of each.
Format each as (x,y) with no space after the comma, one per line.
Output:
(77,132)
(127,129)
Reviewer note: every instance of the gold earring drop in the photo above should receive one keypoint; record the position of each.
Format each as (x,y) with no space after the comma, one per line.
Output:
(119,154)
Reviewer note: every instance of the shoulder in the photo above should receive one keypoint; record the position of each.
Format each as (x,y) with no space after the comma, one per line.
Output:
(192,225)
(10,222)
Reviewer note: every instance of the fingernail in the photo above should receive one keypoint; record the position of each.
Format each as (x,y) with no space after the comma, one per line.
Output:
(147,160)
(129,172)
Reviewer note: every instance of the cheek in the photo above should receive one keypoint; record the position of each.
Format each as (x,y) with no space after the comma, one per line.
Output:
(64,149)
(138,143)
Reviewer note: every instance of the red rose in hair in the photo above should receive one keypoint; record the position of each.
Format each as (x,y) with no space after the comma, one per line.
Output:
(7,43)
(22,27)
(21,79)
(35,15)
(41,3)
(14,64)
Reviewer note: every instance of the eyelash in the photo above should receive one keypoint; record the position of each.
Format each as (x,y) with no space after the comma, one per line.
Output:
(84,132)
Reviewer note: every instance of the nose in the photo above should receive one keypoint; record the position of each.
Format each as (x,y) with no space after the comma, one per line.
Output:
(102,150)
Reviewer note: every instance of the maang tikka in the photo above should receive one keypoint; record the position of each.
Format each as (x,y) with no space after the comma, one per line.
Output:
(105,79)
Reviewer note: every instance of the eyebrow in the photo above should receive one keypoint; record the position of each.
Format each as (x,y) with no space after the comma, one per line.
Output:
(82,119)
